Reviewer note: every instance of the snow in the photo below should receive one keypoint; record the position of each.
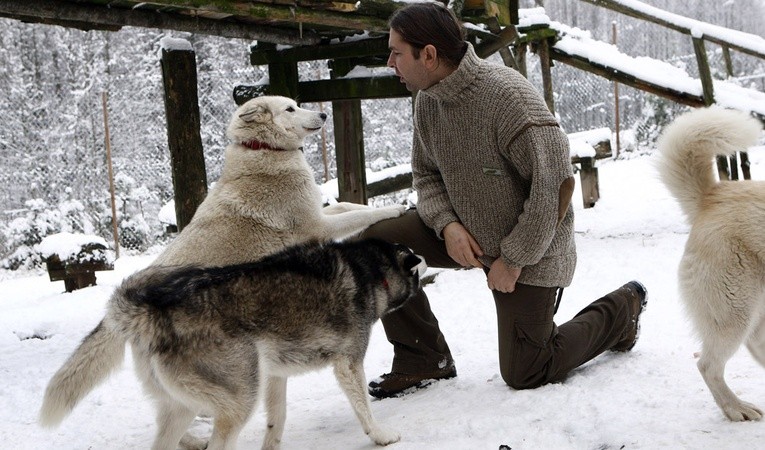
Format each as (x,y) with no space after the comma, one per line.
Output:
(67,245)
(578,42)
(170,44)
(652,397)
(700,29)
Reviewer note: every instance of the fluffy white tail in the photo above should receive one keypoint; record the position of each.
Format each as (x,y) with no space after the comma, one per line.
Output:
(689,145)
(102,351)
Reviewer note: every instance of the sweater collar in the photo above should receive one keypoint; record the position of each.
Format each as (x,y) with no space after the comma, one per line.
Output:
(454,87)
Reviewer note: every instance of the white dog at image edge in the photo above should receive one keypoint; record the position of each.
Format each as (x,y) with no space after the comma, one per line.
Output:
(722,271)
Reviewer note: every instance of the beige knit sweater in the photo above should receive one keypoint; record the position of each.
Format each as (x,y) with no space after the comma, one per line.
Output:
(488,153)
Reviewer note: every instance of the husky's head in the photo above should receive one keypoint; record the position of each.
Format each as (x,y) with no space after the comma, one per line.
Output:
(402,270)
(273,122)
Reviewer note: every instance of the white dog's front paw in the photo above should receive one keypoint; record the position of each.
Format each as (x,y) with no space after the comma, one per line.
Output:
(741,411)
(383,435)
(396,210)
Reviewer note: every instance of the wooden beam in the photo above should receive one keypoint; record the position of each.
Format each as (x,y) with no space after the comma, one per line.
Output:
(364,47)
(612,74)
(179,74)
(113,18)
(333,90)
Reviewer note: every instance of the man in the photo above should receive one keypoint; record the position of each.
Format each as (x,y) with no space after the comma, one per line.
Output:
(492,170)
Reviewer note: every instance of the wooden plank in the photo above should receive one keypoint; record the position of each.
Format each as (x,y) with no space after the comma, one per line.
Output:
(612,74)
(333,90)
(261,54)
(179,75)
(109,17)
(388,185)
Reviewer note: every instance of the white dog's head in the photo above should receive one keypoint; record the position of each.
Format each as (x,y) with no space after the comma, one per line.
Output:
(273,122)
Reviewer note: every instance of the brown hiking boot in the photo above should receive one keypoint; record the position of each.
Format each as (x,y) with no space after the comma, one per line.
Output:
(396,384)
(637,298)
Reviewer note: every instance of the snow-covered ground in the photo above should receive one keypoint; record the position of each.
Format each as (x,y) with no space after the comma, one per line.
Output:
(650,398)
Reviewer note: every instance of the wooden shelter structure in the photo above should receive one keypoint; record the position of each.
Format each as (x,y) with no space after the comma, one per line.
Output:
(346,33)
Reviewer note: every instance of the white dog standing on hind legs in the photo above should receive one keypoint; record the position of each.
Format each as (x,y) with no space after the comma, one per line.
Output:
(265,200)
(722,271)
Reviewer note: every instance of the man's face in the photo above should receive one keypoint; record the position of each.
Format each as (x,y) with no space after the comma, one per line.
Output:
(411,70)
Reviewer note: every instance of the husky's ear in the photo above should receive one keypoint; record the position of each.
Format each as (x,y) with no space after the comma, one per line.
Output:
(257,113)
(414,263)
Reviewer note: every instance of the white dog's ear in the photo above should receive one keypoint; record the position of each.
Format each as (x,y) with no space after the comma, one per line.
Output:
(257,113)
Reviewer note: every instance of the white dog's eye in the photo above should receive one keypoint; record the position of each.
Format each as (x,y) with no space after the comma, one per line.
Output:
(290,109)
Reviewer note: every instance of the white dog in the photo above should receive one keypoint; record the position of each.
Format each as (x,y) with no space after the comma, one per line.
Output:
(722,271)
(266,198)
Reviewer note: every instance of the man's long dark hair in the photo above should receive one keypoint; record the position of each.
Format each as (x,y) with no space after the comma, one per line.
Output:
(421,24)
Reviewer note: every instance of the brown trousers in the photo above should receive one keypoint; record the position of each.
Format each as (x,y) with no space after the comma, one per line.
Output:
(532,350)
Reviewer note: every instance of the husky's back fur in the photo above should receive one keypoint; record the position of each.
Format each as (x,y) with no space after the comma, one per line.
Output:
(721,275)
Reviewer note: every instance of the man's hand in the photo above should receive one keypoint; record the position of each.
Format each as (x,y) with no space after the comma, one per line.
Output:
(461,246)
(502,277)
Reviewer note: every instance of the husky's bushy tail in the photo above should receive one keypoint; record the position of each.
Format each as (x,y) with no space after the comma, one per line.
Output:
(688,148)
(99,354)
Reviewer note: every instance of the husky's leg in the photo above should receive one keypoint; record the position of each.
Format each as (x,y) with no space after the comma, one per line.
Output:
(173,419)
(226,430)
(350,376)
(276,410)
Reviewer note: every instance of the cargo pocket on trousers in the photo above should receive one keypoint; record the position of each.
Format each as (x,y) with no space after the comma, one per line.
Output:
(536,334)
(532,353)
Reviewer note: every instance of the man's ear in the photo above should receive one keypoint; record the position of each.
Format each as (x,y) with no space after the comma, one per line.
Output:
(429,56)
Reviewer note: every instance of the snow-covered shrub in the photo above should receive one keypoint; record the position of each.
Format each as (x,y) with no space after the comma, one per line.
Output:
(23,233)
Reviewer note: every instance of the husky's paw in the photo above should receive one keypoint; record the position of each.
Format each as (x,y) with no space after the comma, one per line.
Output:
(741,411)
(383,435)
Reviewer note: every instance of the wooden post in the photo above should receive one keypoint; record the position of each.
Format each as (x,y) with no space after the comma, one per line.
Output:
(616,98)
(179,75)
(704,73)
(546,65)
(589,180)
(283,79)
(349,143)
(728,61)
(349,151)
(709,96)
(520,58)
(108,144)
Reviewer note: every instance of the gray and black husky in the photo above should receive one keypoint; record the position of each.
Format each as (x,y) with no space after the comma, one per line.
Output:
(207,339)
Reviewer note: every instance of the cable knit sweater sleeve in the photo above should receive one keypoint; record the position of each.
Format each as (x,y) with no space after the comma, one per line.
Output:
(540,154)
